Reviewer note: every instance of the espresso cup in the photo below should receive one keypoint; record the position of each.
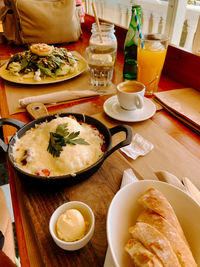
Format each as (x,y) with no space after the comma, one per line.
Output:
(130,95)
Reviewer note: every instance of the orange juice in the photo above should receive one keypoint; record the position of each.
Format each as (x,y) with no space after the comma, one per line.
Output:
(150,59)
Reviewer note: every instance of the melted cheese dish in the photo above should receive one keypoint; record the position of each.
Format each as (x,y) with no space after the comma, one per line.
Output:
(31,155)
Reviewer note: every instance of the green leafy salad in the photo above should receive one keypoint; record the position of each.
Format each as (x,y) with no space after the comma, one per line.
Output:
(37,64)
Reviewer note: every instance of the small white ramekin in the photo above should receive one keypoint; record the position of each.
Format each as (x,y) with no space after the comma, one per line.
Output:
(88,215)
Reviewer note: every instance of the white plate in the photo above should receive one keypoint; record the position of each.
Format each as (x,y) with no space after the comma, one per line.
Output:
(124,210)
(81,67)
(112,108)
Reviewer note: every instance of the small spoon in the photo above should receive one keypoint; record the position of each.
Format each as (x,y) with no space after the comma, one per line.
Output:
(151,81)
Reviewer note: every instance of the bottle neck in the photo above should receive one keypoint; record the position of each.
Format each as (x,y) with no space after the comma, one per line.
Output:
(133,17)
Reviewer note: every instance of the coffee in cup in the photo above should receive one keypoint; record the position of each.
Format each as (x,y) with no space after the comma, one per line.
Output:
(130,95)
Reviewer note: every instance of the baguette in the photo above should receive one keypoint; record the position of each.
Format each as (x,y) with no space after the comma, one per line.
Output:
(141,256)
(182,251)
(155,201)
(156,242)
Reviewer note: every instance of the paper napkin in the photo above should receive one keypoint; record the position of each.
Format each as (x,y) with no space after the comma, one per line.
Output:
(56,97)
(138,147)
(128,177)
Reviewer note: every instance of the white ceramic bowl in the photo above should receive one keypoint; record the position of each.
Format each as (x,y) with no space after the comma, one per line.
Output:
(88,215)
(124,210)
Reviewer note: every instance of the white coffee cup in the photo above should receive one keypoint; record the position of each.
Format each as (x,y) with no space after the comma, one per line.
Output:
(130,95)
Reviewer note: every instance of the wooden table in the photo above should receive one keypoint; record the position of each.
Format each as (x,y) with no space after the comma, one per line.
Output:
(186,69)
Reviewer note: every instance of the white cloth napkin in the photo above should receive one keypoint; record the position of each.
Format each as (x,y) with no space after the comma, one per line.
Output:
(128,177)
(138,147)
(56,97)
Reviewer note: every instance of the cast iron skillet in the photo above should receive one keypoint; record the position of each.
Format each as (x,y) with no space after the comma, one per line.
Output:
(81,175)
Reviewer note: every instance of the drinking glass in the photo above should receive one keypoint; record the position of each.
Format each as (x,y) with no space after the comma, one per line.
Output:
(101,65)
(101,54)
(151,55)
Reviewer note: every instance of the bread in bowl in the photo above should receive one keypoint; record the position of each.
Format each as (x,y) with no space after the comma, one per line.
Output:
(158,229)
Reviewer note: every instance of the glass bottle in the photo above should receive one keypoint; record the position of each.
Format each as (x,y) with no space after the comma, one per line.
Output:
(101,54)
(130,46)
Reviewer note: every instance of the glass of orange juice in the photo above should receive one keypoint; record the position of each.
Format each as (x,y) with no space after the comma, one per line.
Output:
(151,54)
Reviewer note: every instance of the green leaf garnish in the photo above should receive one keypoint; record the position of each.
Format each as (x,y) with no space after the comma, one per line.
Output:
(61,138)
(80,141)
(62,129)
(56,144)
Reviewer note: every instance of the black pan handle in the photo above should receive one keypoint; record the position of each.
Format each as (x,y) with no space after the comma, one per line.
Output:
(12,122)
(129,135)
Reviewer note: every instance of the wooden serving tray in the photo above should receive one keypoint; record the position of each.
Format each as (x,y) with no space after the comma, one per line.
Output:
(97,192)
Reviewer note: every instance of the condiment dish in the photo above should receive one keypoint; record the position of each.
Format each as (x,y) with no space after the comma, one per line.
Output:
(88,216)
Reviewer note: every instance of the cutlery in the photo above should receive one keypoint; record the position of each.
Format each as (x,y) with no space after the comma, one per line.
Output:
(152,81)
(168,177)
(191,189)
(185,184)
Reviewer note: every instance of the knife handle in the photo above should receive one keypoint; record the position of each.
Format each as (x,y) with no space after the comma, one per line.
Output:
(192,189)
(169,178)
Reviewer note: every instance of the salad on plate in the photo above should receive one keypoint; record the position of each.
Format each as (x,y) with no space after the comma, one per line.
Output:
(41,61)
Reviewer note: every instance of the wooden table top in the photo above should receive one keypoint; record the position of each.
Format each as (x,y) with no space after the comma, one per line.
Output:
(173,127)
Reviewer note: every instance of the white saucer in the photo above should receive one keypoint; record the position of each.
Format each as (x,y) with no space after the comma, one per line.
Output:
(112,108)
